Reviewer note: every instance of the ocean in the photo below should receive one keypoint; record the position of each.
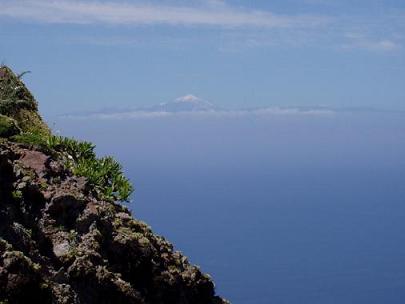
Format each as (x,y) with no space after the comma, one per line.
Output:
(279,209)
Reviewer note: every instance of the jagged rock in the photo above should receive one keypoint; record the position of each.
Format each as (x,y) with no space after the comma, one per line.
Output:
(36,161)
(59,244)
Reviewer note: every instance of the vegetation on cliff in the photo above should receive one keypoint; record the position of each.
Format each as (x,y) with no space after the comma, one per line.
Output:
(64,238)
(20,122)
(17,102)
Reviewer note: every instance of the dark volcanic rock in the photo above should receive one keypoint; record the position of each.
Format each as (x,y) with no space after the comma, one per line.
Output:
(59,244)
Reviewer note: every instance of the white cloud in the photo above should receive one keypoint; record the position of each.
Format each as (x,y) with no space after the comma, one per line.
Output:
(386,45)
(359,41)
(263,112)
(215,13)
(242,28)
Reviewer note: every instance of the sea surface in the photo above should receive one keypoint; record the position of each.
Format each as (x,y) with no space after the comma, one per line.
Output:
(282,209)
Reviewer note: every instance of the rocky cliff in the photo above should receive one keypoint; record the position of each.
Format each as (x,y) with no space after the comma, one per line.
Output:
(64,235)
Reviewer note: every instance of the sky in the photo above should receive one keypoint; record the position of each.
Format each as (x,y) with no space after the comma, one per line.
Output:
(91,55)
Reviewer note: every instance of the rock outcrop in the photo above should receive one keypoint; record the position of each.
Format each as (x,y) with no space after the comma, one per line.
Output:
(61,243)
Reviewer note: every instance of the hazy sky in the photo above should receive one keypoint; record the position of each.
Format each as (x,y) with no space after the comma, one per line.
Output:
(87,55)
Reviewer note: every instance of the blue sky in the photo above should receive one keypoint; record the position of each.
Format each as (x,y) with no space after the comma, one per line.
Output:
(89,55)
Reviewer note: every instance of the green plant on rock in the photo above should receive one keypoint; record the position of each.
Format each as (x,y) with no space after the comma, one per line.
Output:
(104,175)
(11,86)
(75,149)
(20,122)
(17,102)
(30,139)
(8,127)
(17,195)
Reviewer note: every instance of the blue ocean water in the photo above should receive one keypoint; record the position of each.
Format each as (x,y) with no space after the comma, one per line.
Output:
(278,210)
(294,236)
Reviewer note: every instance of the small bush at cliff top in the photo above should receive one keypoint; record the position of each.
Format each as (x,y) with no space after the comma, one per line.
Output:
(106,176)
(103,174)
(78,150)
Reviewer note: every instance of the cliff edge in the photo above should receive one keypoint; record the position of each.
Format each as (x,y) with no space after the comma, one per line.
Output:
(64,235)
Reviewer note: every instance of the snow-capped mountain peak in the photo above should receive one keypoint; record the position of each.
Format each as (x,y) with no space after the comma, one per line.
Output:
(188,98)
(187,103)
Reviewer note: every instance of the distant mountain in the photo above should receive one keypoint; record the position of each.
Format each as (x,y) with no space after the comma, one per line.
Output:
(184,104)
(188,103)
(193,105)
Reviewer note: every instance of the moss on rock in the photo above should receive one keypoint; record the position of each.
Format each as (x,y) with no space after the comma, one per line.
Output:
(8,127)
(30,121)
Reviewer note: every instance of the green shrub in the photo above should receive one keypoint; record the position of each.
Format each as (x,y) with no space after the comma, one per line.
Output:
(76,149)
(104,175)
(30,139)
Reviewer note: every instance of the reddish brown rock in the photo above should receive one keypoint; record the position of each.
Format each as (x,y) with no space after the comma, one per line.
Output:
(35,160)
